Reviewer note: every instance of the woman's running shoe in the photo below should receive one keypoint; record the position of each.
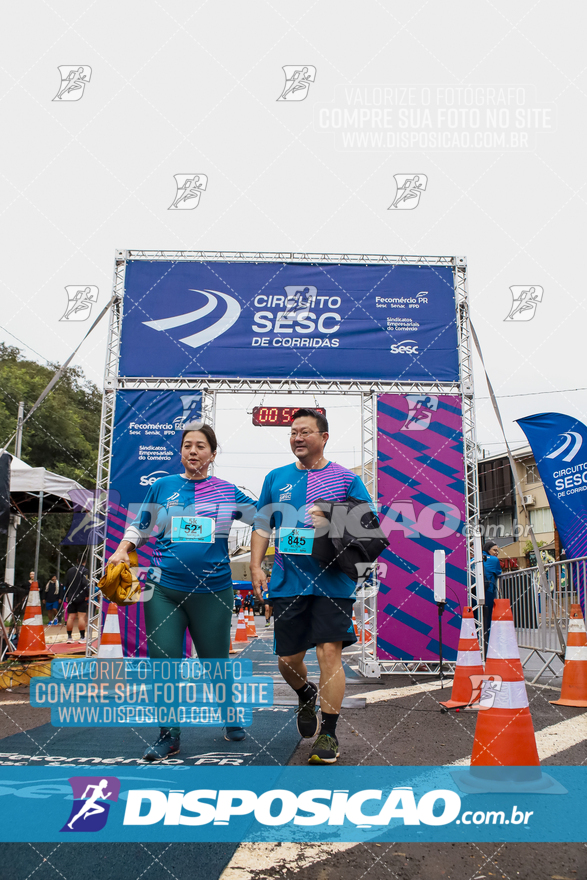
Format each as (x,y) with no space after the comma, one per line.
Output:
(325,750)
(234,734)
(165,746)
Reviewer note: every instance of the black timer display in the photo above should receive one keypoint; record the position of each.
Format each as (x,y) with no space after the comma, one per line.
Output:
(278,416)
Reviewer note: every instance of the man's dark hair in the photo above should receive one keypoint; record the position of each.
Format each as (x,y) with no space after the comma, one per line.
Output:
(321,420)
(204,429)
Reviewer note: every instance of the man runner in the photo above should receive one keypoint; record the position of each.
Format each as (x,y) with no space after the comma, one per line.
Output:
(312,606)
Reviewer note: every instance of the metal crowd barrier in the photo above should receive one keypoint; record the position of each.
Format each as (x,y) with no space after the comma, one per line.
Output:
(541,619)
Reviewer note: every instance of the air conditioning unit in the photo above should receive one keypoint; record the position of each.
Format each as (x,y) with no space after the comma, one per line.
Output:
(529,500)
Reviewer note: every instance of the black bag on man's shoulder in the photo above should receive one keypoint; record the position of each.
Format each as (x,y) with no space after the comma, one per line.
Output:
(353,541)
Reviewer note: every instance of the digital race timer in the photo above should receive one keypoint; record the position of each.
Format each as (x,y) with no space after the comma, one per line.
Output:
(278,415)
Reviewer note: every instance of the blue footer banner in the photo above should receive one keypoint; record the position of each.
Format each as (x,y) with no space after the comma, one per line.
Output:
(305,804)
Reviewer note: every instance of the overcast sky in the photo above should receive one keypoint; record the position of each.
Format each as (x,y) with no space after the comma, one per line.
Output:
(194,88)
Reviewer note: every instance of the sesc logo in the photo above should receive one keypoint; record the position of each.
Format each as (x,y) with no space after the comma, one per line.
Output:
(407,346)
(149,479)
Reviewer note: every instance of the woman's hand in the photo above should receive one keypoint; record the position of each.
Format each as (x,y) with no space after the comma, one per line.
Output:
(121,553)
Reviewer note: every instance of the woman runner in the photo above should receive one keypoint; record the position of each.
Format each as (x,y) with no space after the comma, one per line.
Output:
(190,572)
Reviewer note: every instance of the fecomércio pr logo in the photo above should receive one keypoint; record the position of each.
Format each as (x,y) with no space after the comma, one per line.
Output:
(91,796)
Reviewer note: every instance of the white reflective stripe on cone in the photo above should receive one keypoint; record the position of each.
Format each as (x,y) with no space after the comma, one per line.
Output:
(576,625)
(37,620)
(110,651)
(576,652)
(469,658)
(33,599)
(502,641)
(111,625)
(468,628)
(512,695)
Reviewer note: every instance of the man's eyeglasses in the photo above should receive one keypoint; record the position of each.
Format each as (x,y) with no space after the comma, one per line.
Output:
(303,433)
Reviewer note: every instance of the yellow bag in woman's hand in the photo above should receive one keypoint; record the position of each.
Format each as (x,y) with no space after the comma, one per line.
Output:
(120,584)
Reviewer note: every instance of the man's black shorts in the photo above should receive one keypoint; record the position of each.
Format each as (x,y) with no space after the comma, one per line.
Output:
(78,605)
(302,622)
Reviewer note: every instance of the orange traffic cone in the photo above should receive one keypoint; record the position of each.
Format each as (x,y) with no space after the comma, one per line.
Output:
(355,627)
(231,650)
(110,642)
(504,734)
(241,629)
(469,663)
(366,636)
(574,686)
(31,640)
(251,628)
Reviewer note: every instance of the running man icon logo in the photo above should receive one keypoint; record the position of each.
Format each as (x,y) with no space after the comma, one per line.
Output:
(297,82)
(79,302)
(409,190)
(74,79)
(192,410)
(525,300)
(90,802)
(421,407)
(189,188)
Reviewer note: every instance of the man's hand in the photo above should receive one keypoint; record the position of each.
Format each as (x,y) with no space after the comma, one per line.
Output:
(259,582)
(319,521)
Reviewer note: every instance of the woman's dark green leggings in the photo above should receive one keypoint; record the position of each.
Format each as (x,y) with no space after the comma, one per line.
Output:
(207,616)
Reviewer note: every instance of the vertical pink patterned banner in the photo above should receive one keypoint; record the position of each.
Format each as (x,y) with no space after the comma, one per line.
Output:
(420,474)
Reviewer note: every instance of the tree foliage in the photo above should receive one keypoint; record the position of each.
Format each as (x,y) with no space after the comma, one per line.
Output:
(61,436)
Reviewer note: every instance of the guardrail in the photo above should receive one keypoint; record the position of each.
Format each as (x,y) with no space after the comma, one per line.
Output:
(541,619)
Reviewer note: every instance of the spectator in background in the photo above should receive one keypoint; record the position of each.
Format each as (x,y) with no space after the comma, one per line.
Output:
(51,597)
(77,591)
(491,572)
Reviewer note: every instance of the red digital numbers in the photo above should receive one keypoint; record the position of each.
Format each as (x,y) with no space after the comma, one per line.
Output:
(278,416)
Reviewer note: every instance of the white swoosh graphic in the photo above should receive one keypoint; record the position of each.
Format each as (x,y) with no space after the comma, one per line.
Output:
(178,320)
(231,315)
(570,436)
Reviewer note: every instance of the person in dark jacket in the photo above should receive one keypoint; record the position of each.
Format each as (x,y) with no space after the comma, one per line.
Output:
(77,590)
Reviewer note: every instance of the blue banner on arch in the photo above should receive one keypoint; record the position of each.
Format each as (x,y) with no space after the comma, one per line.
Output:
(289,320)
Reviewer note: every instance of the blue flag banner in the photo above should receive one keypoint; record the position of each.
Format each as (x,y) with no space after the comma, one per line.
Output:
(559,444)
(289,320)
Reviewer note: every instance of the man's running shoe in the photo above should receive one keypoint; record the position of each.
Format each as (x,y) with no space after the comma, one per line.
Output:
(307,720)
(234,734)
(325,750)
(267,623)
(165,746)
